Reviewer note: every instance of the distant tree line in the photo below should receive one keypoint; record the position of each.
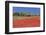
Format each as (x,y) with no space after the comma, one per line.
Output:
(23,14)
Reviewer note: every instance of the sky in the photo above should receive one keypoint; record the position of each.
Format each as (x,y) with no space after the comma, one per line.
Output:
(27,9)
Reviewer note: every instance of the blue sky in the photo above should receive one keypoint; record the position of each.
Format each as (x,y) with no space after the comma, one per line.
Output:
(27,9)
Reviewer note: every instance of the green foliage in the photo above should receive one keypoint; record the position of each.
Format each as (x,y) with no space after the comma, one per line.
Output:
(20,14)
(24,14)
